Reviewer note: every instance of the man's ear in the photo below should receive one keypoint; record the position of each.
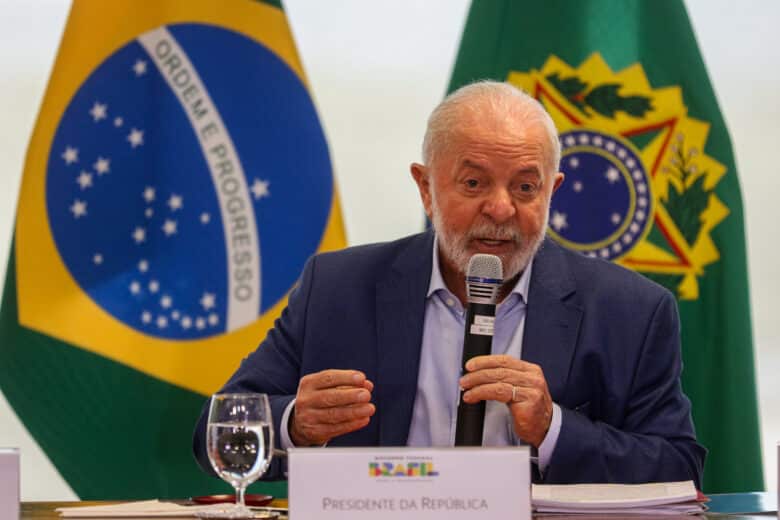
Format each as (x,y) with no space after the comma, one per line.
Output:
(422,177)
(557,181)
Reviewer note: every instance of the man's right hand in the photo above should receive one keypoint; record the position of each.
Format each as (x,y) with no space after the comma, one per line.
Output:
(330,403)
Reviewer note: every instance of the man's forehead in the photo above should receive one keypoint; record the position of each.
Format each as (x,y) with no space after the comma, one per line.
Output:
(474,143)
(523,165)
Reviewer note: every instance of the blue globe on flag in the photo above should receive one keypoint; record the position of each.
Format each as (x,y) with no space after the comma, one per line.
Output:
(188,182)
(605,207)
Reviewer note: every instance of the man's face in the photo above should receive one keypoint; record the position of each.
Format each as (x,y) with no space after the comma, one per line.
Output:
(489,192)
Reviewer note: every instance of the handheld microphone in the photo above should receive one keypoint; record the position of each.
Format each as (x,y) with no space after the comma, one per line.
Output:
(483,280)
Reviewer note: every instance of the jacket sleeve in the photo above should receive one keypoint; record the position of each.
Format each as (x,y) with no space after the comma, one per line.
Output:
(655,441)
(273,368)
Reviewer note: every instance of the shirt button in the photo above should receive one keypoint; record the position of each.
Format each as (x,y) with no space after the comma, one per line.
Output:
(450,302)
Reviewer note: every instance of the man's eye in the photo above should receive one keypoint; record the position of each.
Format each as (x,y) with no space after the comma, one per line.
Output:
(472,183)
(526,187)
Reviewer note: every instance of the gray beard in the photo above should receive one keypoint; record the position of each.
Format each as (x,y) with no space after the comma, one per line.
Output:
(455,248)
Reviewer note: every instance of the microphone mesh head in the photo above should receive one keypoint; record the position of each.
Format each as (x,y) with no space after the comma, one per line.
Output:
(485,266)
(484,277)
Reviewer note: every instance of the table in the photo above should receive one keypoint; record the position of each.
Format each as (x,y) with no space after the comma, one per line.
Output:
(725,502)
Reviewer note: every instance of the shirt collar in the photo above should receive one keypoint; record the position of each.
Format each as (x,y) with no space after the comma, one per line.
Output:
(437,281)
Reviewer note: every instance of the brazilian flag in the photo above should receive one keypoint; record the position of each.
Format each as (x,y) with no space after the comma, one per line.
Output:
(650,181)
(176,181)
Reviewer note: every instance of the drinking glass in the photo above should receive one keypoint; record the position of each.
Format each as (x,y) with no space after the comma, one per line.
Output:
(239,441)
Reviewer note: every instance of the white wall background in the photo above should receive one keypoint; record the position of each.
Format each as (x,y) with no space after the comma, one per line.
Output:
(376,70)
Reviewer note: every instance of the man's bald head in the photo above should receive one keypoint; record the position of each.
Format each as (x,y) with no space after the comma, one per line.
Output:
(487,103)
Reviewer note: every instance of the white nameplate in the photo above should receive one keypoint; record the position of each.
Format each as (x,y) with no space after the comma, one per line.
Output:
(419,483)
(9,483)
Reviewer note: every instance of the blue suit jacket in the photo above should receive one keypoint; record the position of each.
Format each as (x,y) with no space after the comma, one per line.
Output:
(606,338)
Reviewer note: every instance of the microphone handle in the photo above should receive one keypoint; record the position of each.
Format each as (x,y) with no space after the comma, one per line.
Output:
(477,342)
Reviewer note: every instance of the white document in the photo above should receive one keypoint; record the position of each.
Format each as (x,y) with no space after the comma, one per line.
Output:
(143,509)
(655,498)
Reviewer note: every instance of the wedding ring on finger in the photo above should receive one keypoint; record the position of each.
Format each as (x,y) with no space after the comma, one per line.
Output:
(514,394)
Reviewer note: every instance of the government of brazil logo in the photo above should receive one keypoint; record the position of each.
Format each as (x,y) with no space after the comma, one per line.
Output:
(188,181)
(391,468)
(639,188)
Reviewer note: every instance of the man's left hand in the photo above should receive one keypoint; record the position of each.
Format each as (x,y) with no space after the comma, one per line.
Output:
(519,384)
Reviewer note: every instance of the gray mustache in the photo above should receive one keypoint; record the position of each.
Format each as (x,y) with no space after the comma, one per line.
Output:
(493,232)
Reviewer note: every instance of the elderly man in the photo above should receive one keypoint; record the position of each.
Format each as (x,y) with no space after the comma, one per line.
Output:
(586,355)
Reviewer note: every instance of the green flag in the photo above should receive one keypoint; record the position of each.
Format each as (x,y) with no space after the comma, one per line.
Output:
(161,224)
(624,81)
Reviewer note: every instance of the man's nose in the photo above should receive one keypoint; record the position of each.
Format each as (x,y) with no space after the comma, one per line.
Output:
(499,206)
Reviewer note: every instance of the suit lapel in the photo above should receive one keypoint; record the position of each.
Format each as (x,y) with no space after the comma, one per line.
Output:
(552,319)
(400,302)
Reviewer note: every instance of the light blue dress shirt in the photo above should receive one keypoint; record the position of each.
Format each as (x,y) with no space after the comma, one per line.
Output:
(435,411)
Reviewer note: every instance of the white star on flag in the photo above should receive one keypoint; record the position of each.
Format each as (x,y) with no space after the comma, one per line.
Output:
(577,186)
(574,162)
(143,265)
(149,212)
(612,175)
(186,322)
(615,218)
(98,111)
(166,301)
(175,202)
(205,218)
(139,67)
(139,234)
(260,189)
(70,155)
(135,287)
(146,316)
(102,165)
(118,121)
(148,194)
(208,301)
(200,324)
(98,259)
(154,286)
(136,137)
(213,319)
(169,228)
(162,322)
(558,220)
(84,180)
(79,208)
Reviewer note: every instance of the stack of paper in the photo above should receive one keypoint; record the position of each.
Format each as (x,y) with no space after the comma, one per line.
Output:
(666,498)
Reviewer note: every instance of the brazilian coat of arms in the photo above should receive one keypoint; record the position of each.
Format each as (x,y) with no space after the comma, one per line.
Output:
(639,187)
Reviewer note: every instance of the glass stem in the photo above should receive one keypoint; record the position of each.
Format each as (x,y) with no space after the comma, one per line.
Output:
(240,496)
